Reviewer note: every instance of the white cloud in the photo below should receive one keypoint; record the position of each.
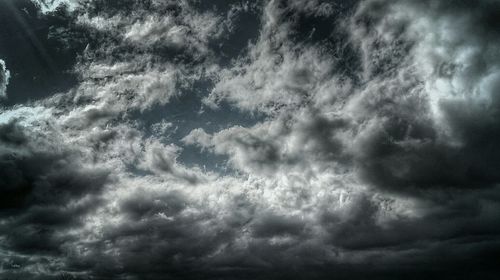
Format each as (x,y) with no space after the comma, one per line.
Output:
(51,5)
(276,73)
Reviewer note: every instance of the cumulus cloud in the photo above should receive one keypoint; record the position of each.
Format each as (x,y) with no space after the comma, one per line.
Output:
(356,139)
(436,76)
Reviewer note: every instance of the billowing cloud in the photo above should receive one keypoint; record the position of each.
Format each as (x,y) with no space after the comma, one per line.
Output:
(46,193)
(268,140)
(441,83)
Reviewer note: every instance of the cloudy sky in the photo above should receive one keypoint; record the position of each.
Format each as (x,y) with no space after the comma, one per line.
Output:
(234,139)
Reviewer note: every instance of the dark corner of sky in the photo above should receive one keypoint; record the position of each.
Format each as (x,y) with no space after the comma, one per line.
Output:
(39,50)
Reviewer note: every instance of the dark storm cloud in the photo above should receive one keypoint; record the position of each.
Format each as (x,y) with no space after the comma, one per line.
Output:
(456,218)
(271,225)
(407,151)
(164,234)
(45,191)
(429,163)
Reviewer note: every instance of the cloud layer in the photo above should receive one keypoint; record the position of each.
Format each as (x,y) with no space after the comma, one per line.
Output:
(269,140)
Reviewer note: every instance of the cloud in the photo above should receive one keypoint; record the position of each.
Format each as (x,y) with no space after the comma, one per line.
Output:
(161,160)
(47,191)
(371,152)
(47,6)
(4,79)
(437,78)
(273,74)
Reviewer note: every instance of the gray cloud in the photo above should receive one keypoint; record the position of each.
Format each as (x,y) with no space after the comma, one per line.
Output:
(46,193)
(433,143)
(4,79)
(354,139)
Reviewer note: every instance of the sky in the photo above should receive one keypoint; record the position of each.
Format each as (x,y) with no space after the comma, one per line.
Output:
(234,139)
